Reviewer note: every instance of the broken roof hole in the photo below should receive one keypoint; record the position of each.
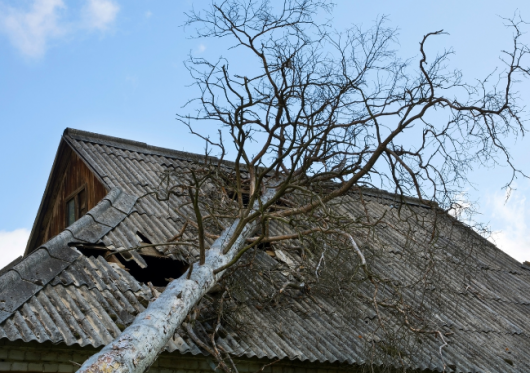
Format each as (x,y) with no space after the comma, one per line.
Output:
(267,248)
(143,238)
(282,204)
(264,246)
(245,197)
(159,271)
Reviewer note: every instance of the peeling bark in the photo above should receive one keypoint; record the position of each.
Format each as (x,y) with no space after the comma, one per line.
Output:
(139,345)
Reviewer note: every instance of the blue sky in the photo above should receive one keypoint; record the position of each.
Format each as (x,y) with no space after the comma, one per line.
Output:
(116,67)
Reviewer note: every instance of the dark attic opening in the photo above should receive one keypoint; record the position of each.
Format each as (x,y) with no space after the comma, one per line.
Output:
(245,197)
(159,271)
(151,266)
(143,237)
(264,246)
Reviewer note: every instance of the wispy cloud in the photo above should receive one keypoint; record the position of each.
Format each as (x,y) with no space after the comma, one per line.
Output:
(510,221)
(201,48)
(12,245)
(99,14)
(31,30)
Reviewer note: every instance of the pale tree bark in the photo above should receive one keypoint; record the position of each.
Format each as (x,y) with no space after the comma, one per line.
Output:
(139,345)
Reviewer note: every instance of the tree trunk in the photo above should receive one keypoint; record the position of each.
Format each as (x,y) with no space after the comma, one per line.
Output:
(138,346)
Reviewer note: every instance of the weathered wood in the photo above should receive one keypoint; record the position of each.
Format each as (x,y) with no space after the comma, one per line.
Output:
(75,176)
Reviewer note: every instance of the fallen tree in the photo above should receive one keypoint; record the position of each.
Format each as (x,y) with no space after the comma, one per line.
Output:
(325,115)
(139,345)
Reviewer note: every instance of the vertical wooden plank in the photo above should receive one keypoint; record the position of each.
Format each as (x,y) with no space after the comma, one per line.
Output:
(76,175)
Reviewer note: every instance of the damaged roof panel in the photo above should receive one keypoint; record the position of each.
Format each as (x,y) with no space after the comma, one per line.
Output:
(88,300)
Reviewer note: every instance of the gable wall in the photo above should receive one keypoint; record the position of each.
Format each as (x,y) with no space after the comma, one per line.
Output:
(75,175)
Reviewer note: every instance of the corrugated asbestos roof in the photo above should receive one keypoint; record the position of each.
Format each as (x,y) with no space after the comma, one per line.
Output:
(57,294)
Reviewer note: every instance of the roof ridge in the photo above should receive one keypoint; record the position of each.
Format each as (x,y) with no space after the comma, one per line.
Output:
(138,146)
(384,194)
(143,147)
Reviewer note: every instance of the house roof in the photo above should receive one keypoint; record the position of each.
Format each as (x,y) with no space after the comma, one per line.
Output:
(57,294)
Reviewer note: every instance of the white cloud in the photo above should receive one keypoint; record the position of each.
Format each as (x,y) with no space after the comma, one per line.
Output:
(510,224)
(12,245)
(461,208)
(99,14)
(29,31)
(148,14)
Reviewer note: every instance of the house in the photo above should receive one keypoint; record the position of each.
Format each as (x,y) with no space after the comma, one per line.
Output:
(70,295)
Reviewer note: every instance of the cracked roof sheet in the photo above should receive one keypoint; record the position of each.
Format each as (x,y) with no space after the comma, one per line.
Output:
(57,294)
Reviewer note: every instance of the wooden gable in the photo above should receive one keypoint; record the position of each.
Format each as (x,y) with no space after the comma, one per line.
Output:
(70,179)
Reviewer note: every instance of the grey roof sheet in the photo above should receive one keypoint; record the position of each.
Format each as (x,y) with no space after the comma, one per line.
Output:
(483,296)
